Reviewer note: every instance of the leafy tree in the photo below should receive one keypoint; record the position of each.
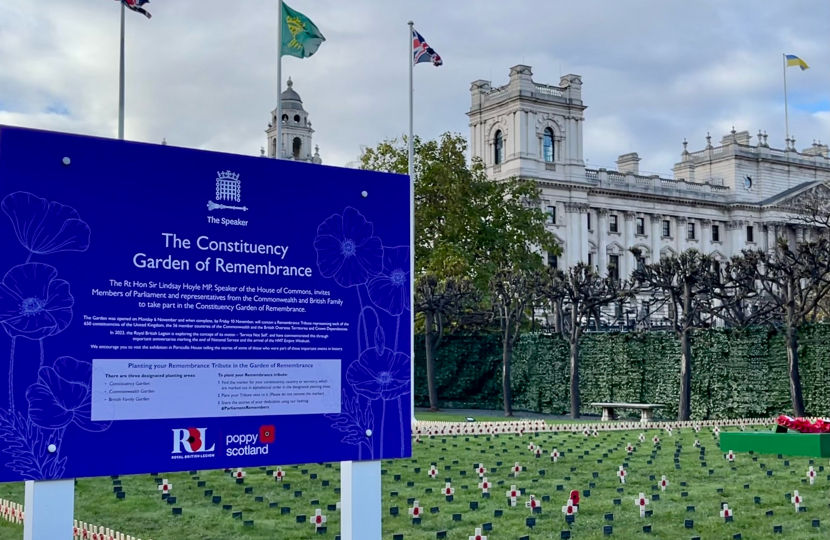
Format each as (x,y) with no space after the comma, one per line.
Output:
(792,282)
(441,301)
(683,283)
(512,292)
(467,226)
(579,295)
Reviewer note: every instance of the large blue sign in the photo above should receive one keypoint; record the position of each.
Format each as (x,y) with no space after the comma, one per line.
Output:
(170,309)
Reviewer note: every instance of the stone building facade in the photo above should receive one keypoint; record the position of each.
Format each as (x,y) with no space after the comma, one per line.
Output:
(721,199)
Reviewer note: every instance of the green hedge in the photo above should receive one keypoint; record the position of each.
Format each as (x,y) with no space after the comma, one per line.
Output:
(735,373)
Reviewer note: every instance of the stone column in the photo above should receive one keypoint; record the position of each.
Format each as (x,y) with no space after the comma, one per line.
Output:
(573,250)
(680,225)
(705,236)
(799,235)
(656,231)
(602,232)
(772,241)
(627,259)
(733,229)
(584,234)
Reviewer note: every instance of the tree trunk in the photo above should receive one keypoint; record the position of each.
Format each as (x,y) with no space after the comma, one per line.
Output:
(430,350)
(684,409)
(575,377)
(792,365)
(507,357)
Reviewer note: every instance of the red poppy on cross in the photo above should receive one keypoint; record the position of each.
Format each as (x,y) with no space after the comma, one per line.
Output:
(319,519)
(484,485)
(574,496)
(641,502)
(663,483)
(512,495)
(165,486)
(629,448)
(477,536)
(531,447)
(621,473)
(730,456)
(433,472)
(796,499)
(570,508)
(481,470)
(532,503)
(811,475)
(415,511)
(517,469)
(448,490)
(239,473)
(726,512)
(538,452)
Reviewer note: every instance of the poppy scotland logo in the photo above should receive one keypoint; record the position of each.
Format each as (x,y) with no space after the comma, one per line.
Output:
(191,441)
(267,434)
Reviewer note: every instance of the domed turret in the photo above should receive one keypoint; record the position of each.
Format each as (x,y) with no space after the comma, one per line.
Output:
(296,129)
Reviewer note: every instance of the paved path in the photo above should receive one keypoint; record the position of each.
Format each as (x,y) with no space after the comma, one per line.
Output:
(518,415)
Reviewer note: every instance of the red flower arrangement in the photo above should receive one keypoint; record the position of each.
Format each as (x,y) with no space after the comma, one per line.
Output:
(802,425)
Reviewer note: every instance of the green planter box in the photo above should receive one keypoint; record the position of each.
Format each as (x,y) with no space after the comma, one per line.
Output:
(789,444)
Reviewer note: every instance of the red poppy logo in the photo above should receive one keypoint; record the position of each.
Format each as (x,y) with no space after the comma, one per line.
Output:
(267,434)
(195,439)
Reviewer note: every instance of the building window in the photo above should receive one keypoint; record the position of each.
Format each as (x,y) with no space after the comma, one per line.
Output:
(296,118)
(690,231)
(750,234)
(498,148)
(548,145)
(613,225)
(614,266)
(666,228)
(297,146)
(641,225)
(589,221)
(590,259)
(551,215)
(715,233)
(553,261)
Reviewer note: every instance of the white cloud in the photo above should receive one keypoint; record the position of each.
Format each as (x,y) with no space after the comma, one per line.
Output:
(203,75)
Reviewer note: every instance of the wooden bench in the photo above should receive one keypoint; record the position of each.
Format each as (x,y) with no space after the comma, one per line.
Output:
(646,410)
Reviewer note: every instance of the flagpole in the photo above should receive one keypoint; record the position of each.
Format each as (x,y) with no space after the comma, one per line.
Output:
(121,81)
(278,150)
(411,144)
(786,112)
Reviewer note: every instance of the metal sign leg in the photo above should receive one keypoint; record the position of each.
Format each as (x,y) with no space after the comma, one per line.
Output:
(360,506)
(50,509)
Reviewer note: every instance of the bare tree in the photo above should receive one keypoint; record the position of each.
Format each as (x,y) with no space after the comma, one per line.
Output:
(512,291)
(684,283)
(580,294)
(441,301)
(792,281)
(812,207)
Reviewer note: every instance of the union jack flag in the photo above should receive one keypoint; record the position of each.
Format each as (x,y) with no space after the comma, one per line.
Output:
(137,6)
(422,52)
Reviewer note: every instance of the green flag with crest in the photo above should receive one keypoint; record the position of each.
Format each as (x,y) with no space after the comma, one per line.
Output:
(300,36)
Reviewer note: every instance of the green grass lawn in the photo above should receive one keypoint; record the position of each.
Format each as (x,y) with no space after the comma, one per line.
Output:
(589,463)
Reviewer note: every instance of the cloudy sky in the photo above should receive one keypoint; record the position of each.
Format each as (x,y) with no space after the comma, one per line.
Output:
(202,73)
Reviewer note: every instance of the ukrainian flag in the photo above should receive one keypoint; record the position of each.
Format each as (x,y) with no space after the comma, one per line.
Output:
(793,60)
